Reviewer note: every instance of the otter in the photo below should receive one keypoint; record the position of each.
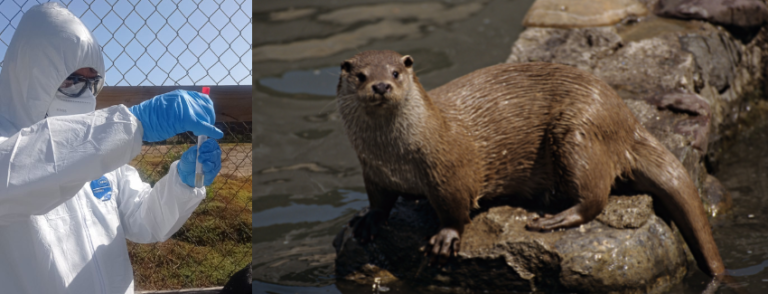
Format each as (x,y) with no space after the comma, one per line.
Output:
(519,130)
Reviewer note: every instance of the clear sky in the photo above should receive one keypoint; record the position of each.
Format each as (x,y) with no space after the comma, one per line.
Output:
(160,42)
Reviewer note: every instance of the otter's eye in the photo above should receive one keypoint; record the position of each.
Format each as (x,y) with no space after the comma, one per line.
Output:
(361,77)
(395,74)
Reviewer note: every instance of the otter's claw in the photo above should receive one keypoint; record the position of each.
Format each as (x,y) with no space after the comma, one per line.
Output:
(446,243)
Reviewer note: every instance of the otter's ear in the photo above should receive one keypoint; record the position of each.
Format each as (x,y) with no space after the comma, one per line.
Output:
(407,60)
(346,66)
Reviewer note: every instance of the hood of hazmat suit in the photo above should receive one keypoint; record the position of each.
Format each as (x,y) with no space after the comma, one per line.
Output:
(68,201)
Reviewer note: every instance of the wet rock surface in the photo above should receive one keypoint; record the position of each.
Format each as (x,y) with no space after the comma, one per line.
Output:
(742,13)
(691,83)
(624,212)
(581,13)
(626,250)
(717,199)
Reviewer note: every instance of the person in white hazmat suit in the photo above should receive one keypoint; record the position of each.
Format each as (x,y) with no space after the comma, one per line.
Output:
(68,199)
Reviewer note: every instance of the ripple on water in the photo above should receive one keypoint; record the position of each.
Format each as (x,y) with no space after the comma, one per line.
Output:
(293,237)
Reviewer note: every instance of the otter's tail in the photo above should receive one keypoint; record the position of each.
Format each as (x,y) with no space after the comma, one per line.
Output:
(660,173)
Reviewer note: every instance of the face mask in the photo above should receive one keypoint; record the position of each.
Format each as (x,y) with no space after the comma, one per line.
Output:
(65,105)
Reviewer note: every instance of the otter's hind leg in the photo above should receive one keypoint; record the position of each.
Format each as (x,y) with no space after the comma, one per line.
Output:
(585,174)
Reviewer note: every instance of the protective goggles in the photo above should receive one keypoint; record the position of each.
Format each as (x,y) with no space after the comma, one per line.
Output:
(75,85)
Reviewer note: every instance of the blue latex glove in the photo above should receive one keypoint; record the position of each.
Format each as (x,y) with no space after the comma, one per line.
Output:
(210,157)
(176,112)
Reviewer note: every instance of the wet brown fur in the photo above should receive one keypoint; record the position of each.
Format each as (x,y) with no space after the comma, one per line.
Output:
(509,129)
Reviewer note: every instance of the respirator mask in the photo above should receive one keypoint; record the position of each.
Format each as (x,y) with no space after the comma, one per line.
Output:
(76,95)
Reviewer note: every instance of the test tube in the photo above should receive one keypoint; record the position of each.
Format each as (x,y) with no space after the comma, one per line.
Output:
(199,176)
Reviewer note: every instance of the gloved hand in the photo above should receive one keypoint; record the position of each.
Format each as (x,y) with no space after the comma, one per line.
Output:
(176,112)
(210,157)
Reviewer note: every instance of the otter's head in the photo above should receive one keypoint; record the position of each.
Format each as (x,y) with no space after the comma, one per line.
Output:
(376,78)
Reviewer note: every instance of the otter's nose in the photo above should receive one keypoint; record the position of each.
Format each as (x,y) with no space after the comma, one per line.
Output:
(381,88)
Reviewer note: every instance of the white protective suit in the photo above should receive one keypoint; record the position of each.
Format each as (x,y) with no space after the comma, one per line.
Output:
(56,236)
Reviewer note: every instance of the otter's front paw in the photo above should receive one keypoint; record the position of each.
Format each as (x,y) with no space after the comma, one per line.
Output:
(447,242)
(366,227)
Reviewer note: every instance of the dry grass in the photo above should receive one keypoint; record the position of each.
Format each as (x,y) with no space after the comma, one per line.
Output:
(213,244)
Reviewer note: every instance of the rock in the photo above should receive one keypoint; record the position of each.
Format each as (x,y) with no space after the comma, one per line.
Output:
(240,282)
(685,81)
(696,124)
(683,102)
(719,71)
(740,13)
(651,26)
(627,250)
(717,199)
(625,212)
(581,13)
(697,129)
(580,48)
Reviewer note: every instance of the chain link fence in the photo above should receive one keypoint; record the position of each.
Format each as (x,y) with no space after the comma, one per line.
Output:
(192,42)
(179,43)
